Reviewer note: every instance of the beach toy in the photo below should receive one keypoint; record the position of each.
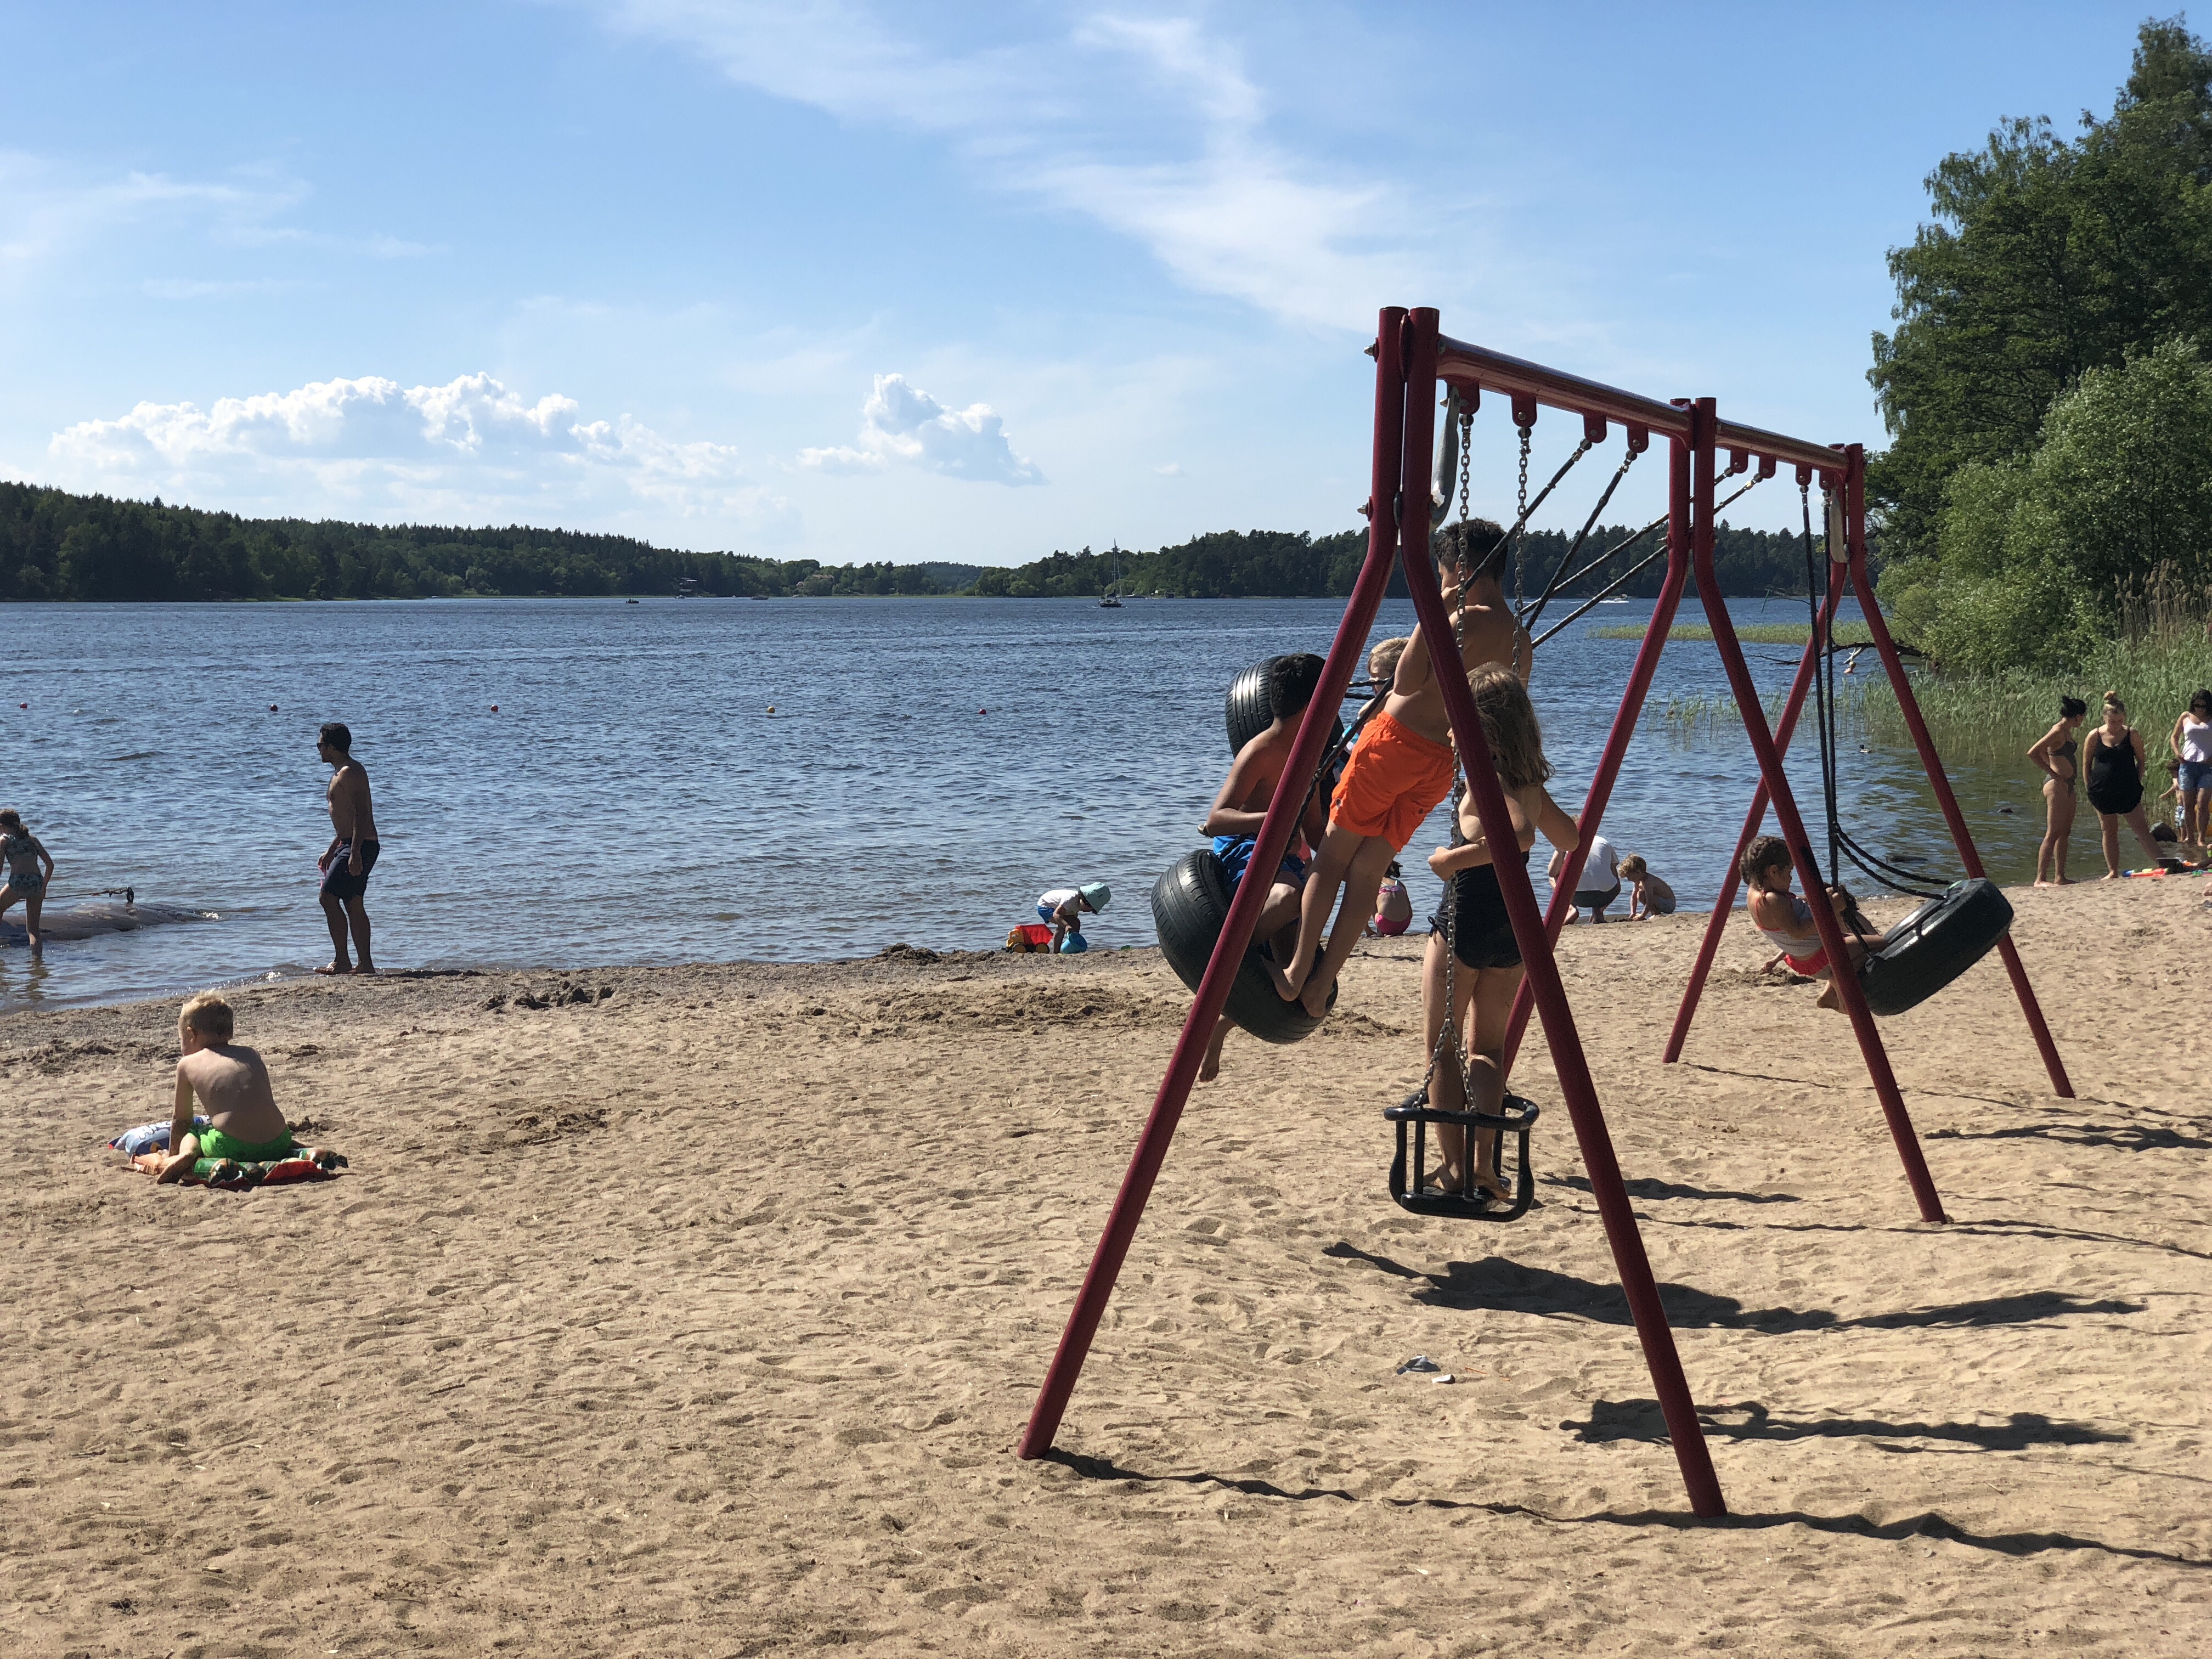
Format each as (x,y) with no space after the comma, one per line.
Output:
(1074,945)
(1189,904)
(1934,945)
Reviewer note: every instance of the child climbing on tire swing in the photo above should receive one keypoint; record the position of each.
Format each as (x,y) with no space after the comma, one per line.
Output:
(1479,936)
(1402,765)
(1241,807)
(1787,920)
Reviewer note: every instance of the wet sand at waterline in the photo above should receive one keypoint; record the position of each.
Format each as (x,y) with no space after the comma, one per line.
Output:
(697,1311)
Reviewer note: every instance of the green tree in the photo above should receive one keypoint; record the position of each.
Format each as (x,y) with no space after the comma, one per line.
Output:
(2032,555)
(2047,259)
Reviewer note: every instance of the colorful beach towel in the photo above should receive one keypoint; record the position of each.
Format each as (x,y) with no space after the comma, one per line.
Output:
(147,1144)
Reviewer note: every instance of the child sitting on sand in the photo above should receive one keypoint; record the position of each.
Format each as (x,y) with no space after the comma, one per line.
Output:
(1402,765)
(233,1088)
(1648,895)
(1394,906)
(1241,807)
(1787,920)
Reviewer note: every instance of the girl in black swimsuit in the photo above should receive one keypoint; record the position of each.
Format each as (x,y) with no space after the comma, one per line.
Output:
(1483,959)
(2056,758)
(2114,757)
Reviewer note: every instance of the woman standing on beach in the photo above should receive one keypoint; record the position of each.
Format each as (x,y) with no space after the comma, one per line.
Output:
(22,852)
(2112,756)
(2054,754)
(2191,740)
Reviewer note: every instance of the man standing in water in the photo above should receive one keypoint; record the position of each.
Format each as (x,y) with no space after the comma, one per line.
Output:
(351,854)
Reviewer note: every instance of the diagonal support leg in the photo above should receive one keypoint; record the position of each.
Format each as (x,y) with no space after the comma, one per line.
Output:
(1575,1085)
(1724,904)
(1390,458)
(2031,1009)
(1793,826)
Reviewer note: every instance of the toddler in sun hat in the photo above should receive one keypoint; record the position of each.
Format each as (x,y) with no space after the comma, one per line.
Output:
(1063,908)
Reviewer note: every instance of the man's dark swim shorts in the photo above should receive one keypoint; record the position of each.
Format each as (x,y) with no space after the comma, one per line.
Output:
(339,881)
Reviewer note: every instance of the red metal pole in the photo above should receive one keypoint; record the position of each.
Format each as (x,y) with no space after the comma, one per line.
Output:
(1793,827)
(1392,454)
(1624,728)
(1575,1085)
(1724,905)
(1855,537)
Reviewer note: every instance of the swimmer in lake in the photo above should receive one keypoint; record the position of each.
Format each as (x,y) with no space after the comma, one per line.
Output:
(345,864)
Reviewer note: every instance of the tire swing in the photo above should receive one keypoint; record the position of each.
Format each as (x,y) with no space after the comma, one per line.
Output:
(1190,904)
(1190,901)
(1958,922)
(1413,1116)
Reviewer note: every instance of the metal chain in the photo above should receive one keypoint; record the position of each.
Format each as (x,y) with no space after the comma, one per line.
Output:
(1520,530)
(1466,458)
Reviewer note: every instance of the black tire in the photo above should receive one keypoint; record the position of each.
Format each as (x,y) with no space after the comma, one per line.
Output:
(1249,713)
(1190,904)
(1935,945)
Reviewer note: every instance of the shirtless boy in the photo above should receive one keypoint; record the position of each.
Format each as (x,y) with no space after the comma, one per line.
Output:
(1402,765)
(351,854)
(232,1085)
(1242,806)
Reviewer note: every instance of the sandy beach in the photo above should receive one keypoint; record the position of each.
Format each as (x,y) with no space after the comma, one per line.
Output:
(697,1311)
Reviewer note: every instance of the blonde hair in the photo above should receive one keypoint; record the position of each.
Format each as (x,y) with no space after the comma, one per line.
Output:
(1509,726)
(1383,660)
(210,1016)
(1633,867)
(2112,700)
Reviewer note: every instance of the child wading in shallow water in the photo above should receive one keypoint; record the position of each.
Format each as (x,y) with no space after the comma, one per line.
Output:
(21,853)
(232,1085)
(1488,971)
(1787,920)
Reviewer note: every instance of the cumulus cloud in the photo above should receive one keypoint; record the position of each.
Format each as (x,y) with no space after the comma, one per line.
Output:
(1227,208)
(902,425)
(471,448)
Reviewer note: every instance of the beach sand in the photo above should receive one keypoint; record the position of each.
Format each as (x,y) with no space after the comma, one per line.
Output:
(697,1311)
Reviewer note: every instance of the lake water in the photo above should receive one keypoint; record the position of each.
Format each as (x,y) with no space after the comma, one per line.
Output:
(929,766)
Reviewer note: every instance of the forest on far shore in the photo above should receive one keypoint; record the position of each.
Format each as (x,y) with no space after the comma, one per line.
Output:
(55,545)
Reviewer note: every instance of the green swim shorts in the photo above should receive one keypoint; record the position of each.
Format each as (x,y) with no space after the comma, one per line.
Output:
(215,1146)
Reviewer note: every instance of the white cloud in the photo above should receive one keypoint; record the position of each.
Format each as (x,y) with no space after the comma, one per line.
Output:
(1169,470)
(1223,207)
(471,449)
(902,424)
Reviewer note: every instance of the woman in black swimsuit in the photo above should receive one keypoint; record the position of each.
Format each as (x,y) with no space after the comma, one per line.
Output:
(1487,970)
(2054,754)
(2112,757)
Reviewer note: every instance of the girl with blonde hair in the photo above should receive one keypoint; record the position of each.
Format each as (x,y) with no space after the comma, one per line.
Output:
(1487,970)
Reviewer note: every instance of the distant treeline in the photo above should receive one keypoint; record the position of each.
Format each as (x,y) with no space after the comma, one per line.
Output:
(55,545)
(1272,563)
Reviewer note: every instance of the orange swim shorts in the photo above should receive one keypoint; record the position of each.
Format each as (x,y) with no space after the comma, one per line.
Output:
(1395,779)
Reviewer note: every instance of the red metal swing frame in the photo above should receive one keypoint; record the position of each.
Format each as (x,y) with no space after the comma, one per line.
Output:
(1411,358)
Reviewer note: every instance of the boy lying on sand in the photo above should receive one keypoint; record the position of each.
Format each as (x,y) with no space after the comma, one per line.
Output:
(233,1087)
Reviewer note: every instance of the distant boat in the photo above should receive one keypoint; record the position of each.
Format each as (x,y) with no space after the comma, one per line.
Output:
(1107,601)
(686,587)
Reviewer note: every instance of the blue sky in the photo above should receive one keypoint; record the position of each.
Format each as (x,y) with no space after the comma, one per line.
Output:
(844,279)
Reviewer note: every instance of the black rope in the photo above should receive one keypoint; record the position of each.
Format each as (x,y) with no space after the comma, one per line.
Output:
(1622,580)
(1528,618)
(1842,845)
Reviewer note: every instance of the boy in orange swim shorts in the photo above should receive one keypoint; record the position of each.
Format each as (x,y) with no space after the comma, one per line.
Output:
(1402,765)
